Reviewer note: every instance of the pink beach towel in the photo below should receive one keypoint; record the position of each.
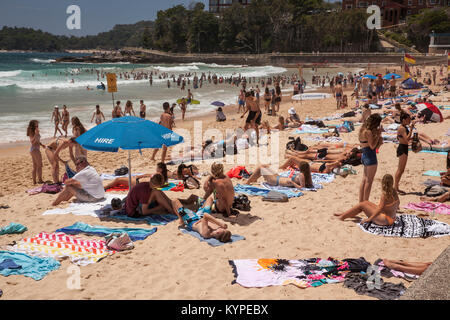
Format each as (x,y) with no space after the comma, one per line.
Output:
(436,207)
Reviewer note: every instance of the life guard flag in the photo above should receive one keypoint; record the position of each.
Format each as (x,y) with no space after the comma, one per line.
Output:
(410,59)
(407,75)
(112,82)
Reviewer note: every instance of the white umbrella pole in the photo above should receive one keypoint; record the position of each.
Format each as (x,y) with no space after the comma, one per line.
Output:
(129,170)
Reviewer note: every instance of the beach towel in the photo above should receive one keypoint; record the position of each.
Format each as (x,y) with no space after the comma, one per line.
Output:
(432,151)
(256,191)
(314,272)
(152,219)
(320,139)
(317,178)
(120,187)
(212,241)
(408,226)
(434,207)
(432,173)
(13,228)
(389,273)
(387,290)
(46,188)
(80,251)
(306,128)
(107,176)
(96,209)
(32,267)
(81,227)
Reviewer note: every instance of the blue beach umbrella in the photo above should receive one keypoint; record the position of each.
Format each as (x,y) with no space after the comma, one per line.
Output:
(218,104)
(128,133)
(369,76)
(389,76)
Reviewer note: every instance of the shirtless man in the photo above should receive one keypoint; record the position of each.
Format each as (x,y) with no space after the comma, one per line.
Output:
(129,108)
(392,87)
(142,110)
(65,119)
(219,185)
(166,120)
(117,111)
(338,94)
(379,87)
(254,113)
(241,100)
(56,116)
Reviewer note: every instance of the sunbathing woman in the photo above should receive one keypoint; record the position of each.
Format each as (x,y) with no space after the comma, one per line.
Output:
(384,214)
(322,155)
(272,178)
(161,168)
(202,222)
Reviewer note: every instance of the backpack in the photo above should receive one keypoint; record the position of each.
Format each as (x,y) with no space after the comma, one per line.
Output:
(435,191)
(121,171)
(296,144)
(241,202)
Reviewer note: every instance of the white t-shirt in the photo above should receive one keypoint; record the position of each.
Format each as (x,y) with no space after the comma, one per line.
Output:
(91,182)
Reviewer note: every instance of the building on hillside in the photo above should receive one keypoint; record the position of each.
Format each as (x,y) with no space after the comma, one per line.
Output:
(394,12)
(216,6)
(439,43)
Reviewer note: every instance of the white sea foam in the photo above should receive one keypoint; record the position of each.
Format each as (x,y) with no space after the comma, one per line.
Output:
(7,74)
(42,60)
(179,68)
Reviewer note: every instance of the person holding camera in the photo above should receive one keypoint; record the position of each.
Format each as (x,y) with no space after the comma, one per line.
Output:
(404,136)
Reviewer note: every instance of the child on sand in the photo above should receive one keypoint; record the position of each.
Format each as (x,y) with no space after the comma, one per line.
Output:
(384,214)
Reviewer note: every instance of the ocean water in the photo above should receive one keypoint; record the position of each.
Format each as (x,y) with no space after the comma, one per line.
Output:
(31,84)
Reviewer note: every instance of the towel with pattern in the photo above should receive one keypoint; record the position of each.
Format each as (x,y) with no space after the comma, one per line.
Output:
(212,241)
(435,207)
(256,191)
(409,226)
(29,266)
(258,273)
(81,227)
(80,251)
(306,128)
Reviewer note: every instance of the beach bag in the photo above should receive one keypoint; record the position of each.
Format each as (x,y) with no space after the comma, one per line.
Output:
(190,182)
(435,191)
(241,202)
(274,196)
(121,171)
(296,144)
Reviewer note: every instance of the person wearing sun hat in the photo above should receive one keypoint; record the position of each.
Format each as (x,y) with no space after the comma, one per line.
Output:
(293,116)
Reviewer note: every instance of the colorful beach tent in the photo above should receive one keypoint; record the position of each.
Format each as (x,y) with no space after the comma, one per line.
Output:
(128,133)
(411,84)
(431,112)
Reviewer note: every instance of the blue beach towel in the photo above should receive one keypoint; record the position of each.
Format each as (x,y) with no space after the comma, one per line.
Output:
(153,220)
(298,131)
(287,190)
(13,228)
(212,241)
(437,152)
(81,227)
(256,191)
(432,173)
(30,266)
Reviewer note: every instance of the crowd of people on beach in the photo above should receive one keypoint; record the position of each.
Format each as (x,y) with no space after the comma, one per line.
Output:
(145,198)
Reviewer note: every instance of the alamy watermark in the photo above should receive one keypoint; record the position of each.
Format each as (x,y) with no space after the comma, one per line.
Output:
(374,21)
(74,20)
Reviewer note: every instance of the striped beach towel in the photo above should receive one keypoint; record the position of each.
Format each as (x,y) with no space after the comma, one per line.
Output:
(80,251)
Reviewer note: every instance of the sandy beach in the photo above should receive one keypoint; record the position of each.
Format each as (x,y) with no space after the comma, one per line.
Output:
(173,265)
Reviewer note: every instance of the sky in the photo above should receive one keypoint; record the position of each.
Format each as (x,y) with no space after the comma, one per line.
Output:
(96,15)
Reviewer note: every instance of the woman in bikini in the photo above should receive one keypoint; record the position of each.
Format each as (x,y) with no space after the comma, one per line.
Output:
(77,130)
(35,150)
(302,180)
(384,214)
(98,115)
(65,119)
(267,98)
(404,136)
(370,140)
(56,116)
